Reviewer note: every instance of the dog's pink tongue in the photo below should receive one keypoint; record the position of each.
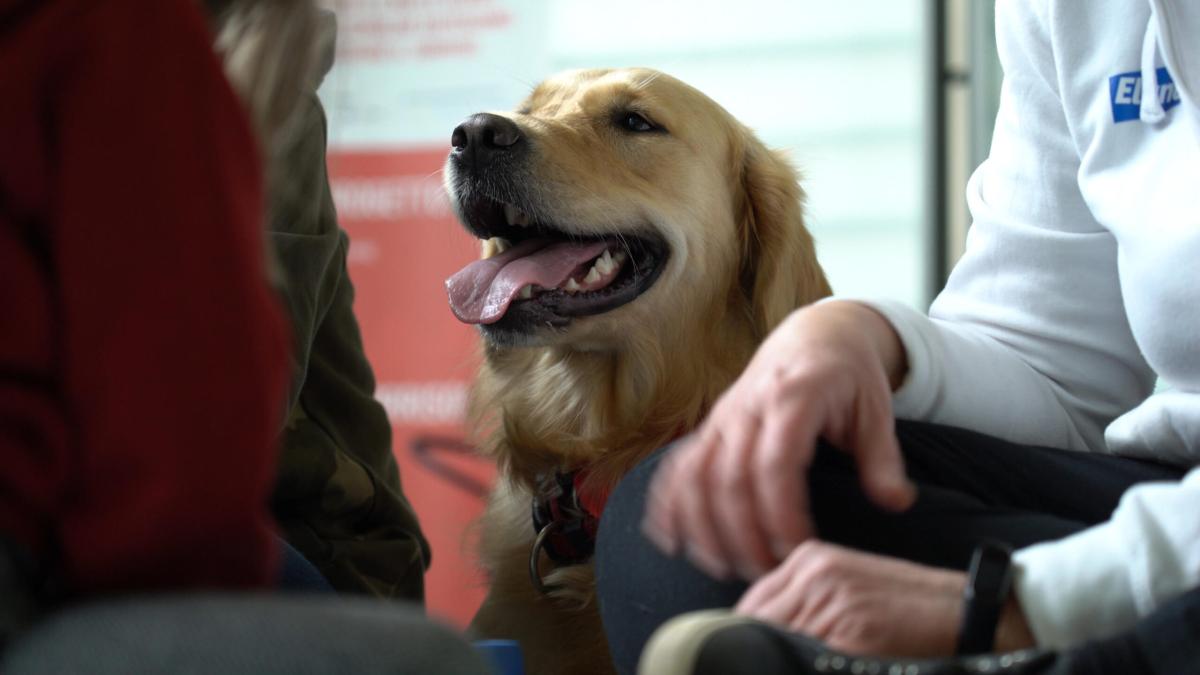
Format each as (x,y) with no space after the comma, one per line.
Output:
(482,291)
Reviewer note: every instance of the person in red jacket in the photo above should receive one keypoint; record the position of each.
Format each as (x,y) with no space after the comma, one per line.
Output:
(143,365)
(143,354)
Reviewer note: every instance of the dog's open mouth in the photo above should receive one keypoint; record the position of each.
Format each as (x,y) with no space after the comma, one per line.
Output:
(543,275)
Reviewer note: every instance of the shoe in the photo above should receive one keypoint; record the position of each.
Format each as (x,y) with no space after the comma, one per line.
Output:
(718,642)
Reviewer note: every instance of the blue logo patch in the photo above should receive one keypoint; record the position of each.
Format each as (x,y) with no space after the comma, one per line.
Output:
(1125,91)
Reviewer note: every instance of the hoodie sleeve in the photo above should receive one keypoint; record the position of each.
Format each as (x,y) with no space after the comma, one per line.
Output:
(1029,340)
(1104,579)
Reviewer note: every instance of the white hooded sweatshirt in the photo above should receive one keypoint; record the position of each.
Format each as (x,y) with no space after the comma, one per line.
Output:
(1079,288)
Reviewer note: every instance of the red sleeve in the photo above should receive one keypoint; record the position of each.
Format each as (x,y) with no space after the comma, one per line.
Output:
(174,345)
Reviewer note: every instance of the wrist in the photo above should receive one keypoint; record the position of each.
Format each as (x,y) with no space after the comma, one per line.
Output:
(1013,633)
(884,341)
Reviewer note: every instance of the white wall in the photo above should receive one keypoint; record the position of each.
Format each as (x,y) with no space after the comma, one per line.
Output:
(838,83)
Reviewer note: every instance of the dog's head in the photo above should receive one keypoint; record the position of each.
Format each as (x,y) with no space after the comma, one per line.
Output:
(624,200)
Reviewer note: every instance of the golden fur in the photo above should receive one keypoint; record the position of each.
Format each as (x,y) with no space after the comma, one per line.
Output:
(609,389)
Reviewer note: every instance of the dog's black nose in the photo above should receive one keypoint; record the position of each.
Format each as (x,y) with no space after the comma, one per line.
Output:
(484,135)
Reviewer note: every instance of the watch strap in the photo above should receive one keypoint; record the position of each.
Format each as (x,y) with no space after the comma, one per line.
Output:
(988,584)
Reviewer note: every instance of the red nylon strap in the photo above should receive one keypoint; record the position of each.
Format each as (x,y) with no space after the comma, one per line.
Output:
(592,500)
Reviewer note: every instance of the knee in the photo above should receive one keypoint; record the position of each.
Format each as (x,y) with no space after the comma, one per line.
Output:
(620,524)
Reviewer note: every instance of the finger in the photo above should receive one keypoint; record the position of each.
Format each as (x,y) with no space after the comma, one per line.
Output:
(659,521)
(731,504)
(785,449)
(695,528)
(814,585)
(767,587)
(790,595)
(880,460)
(821,569)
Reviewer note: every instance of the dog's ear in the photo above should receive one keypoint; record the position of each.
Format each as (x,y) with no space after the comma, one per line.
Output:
(779,271)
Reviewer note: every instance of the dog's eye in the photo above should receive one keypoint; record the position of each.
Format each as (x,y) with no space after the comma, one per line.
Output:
(635,122)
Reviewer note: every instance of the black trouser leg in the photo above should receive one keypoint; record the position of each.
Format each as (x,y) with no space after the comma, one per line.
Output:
(1169,639)
(972,487)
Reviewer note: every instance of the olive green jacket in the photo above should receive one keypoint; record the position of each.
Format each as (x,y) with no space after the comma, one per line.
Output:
(338,498)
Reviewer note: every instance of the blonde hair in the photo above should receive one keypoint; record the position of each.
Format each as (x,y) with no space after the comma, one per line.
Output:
(270,50)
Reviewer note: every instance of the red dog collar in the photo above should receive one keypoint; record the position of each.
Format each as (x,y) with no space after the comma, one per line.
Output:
(565,517)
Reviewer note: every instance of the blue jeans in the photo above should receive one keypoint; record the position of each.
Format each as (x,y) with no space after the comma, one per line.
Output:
(971,487)
(298,574)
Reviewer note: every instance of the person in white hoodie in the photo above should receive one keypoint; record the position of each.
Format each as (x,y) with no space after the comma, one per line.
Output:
(1050,402)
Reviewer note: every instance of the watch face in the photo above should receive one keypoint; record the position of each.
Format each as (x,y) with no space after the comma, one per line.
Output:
(990,571)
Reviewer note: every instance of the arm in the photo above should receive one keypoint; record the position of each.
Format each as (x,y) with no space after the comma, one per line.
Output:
(1103,579)
(338,496)
(173,351)
(1029,340)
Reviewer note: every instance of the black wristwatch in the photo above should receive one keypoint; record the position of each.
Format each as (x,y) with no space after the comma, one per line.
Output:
(987,589)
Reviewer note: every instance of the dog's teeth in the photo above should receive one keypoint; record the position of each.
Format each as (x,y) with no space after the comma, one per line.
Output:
(604,263)
(526,292)
(592,276)
(501,244)
(618,258)
(572,286)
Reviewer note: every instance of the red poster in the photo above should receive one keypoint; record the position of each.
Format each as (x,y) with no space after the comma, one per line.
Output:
(404,243)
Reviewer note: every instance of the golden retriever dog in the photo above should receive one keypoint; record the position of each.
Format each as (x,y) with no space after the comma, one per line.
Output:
(638,244)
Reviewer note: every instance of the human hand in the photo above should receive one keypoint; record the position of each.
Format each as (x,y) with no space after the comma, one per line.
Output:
(862,603)
(733,497)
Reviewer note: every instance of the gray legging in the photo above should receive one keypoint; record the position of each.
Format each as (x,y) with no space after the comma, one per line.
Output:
(231,634)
